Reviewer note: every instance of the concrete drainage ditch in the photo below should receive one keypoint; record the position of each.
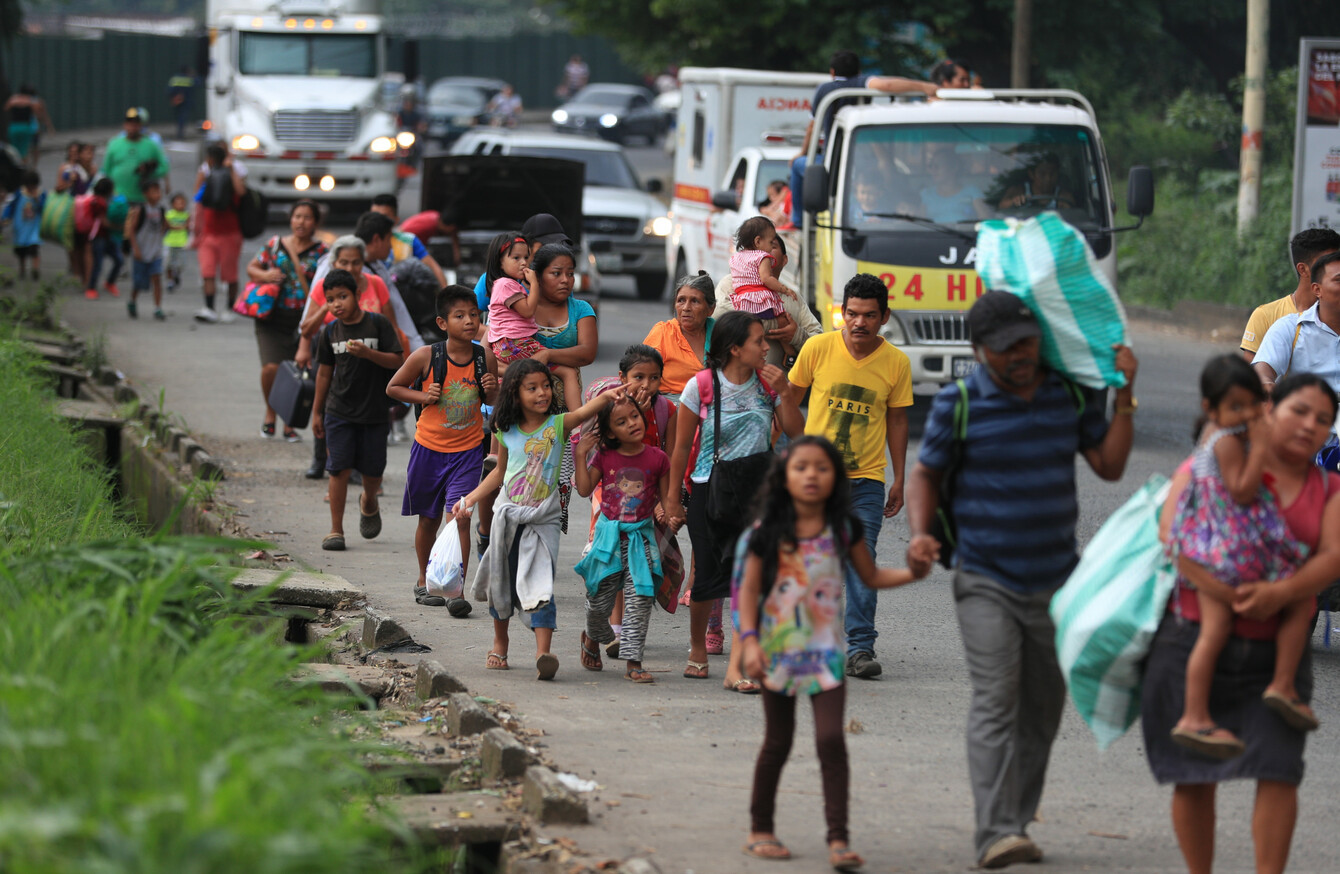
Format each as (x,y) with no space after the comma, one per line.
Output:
(469,778)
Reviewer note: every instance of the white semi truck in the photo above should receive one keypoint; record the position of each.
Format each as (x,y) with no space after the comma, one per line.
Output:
(295,87)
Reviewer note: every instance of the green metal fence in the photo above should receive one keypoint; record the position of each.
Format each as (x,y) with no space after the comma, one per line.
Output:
(90,82)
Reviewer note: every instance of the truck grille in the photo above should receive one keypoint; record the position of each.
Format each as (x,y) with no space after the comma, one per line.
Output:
(610,226)
(938,328)
(315,126)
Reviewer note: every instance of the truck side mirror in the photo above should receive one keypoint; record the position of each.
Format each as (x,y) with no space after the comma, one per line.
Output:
(655,186)
(725,200)
(815,192)
(1139,192)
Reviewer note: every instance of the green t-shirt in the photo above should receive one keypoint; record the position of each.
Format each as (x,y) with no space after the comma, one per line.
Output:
(123,156)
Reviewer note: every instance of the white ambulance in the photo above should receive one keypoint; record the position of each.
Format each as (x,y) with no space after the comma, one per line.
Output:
(737,131)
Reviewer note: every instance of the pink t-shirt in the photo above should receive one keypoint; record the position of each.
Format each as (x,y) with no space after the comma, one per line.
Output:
(630,485)
(504,323)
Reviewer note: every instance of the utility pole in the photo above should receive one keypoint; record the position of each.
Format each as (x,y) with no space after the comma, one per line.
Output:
(1253,114)
(1021,52)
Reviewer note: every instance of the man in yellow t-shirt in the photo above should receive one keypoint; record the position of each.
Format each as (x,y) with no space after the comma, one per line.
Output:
(861,389)
(1305,248)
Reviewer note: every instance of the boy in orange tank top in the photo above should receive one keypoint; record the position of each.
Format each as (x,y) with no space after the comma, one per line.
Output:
(449,379)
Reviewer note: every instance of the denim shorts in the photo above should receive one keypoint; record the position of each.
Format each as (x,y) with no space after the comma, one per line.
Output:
(142,271)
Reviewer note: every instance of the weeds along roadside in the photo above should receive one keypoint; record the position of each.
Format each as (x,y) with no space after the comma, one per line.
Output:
(144,726)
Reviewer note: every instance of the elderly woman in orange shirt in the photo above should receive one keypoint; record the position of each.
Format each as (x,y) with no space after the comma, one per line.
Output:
(683,341)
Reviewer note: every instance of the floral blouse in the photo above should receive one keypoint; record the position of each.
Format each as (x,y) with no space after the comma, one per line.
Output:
(292,293)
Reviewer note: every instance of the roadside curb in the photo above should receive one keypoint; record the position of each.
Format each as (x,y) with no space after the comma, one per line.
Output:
(1214,321)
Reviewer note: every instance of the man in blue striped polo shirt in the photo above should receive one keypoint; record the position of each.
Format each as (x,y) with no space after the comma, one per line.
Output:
(1015,507)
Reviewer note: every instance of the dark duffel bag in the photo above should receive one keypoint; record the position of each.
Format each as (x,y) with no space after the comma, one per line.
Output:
(292,394)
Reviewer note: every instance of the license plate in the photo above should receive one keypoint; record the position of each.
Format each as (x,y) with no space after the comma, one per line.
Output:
(963,367)
(609,263)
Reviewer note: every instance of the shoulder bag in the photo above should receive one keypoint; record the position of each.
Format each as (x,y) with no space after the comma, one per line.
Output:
(732,485)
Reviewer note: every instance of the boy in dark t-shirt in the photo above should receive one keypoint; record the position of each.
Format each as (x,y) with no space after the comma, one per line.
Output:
(358,353)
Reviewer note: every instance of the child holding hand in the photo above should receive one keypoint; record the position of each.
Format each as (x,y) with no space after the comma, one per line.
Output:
(517,570)
(514,293)
(623,556)
(790,622)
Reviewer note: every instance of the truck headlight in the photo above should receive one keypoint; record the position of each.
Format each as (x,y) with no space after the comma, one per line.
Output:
(560,116)
(658,227)
(382,145)
(405,139)
(245,143)
(894,332)
(609,119)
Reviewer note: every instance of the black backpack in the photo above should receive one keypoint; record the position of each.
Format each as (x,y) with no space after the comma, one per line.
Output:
(437,371)
(218,192)
(252,211)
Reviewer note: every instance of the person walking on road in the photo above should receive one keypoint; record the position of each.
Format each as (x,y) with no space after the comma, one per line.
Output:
(1015,506)
(290,263)
(27,119)
(179,89)
(862,387)
(133,159)
(219,241)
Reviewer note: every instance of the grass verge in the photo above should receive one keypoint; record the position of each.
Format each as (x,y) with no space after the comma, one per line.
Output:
(144,726)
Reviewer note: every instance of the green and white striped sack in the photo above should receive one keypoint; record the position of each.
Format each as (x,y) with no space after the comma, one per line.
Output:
(1108,610)
(1048,264)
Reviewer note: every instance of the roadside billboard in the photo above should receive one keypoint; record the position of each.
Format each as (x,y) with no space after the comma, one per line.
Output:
(1316,163)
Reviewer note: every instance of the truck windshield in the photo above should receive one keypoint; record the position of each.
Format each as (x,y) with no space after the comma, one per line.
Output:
(602,167)
(950,173)
(302,54)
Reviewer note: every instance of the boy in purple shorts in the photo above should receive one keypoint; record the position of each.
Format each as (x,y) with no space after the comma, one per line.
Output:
(448,379)
(357,353)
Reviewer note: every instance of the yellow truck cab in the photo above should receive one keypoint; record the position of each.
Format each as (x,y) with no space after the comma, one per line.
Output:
(902,183)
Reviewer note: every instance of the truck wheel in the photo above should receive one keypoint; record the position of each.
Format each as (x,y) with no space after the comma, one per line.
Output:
(650,286)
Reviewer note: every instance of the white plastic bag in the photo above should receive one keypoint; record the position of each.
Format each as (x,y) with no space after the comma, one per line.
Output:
(446,567)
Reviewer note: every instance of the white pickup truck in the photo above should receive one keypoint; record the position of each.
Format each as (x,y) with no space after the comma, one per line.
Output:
(736,132)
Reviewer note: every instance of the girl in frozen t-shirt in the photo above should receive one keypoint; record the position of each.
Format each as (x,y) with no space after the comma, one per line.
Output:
(791,571)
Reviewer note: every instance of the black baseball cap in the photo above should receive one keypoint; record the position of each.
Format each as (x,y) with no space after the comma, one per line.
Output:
(999,319)
(545,229)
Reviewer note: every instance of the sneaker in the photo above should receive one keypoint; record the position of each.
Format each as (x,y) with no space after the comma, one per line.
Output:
(91,293)
(864,666)
(1009,850)
(291,436)
(398,429)
(207,315)
(268,430)
(160,316)
(131,310)
(227,317)
(112,289)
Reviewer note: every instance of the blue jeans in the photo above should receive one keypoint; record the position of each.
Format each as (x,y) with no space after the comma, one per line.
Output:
(867,504)
(105,247)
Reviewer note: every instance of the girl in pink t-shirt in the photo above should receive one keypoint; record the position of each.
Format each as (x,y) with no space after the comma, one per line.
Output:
(514,293)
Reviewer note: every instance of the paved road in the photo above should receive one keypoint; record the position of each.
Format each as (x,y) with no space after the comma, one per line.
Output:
(675,759)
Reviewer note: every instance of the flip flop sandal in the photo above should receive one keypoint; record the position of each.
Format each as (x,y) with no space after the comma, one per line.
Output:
(1290,711)
(546,666)
(369,524)
(590,654)
(1204,742)
(639,675)
(845,860)
(499,660)
(744,686)
(421,596)
(333,543)
(755,849)
(696,670)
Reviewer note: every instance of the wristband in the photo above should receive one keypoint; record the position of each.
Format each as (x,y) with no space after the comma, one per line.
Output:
(744,635)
